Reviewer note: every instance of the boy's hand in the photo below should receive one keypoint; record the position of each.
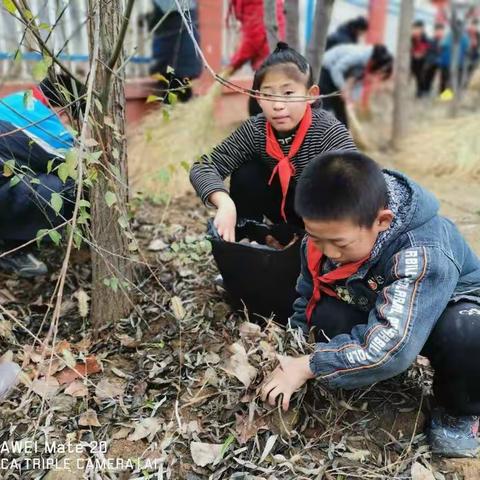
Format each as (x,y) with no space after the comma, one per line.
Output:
(287,378)
(226,217)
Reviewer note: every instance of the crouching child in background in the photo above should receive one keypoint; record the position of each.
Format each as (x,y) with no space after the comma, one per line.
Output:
(384,278)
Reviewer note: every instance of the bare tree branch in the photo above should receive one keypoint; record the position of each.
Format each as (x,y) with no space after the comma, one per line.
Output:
(32,26)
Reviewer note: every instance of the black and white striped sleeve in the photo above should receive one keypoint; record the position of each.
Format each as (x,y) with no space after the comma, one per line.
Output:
(335,136)
(207,174)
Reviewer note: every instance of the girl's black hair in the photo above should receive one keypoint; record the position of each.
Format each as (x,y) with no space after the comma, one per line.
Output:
(282,55)
(357,25)
(381,59)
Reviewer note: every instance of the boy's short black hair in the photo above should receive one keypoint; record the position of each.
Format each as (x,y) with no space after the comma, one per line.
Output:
(61,90)
(341,185)
(419,24)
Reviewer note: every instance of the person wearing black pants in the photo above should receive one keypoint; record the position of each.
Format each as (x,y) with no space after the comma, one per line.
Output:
(451,348)
(418,53)
(254,198)
(382,289)
(335,103)
(344,65)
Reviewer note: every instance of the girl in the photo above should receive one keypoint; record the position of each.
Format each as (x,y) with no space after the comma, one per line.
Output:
(266,155)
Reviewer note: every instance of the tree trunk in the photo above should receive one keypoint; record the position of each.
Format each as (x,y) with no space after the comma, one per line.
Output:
(292,14)
(457,27)
(402,73)
(111,268)
(318,40)
(270,22)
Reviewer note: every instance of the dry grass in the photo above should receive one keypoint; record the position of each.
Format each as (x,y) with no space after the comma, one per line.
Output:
(447,147)
(164,147)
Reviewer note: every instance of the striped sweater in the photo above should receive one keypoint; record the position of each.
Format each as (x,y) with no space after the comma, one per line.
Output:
(247,143)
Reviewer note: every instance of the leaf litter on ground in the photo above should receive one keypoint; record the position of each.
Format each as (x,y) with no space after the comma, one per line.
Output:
(179,381)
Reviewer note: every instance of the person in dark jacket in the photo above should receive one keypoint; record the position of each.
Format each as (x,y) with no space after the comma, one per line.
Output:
(349,32)
(384,278)
(418,52)
(474,47)
(173,51)
(34,140)
(445,60)
(432,58)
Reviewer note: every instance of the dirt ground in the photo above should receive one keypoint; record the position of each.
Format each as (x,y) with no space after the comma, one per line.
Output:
(178,380)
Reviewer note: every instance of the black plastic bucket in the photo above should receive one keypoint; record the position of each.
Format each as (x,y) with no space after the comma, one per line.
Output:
(259,276)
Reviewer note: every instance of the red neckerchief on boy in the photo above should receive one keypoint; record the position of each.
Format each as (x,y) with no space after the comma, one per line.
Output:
(284,167)
(321,283)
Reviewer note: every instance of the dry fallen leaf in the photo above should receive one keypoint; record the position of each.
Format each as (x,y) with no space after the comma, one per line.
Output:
(190,428)
(89,419)
(61,346)
(238,366)
(205,453)
(49,368)
(210,377)
(83,345)
(268,447)
(245,430)
(7,356)
(356,455)
(250,330)
(6,329)
(146,427)
(88,367)
(423,361)
(156,245)
(121,373)
(30,355)
(69,358)
(109,388)
(212,358)
(45,387)
(177,308)
(82,299)
(282,423)
(77,389)
(419,472)
(121,433)
(129,342)
(6,297)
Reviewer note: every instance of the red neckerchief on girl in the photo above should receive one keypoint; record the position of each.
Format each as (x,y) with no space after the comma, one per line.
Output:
(38,94)
(284,167)
(321,283)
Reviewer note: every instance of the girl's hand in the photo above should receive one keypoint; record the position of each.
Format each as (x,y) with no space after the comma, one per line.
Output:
(226,217)
(286,379)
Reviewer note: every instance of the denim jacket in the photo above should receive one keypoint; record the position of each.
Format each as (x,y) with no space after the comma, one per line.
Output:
(410,278)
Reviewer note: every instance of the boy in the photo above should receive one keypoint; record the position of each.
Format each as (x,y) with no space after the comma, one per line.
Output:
(33,134)
(384,277)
